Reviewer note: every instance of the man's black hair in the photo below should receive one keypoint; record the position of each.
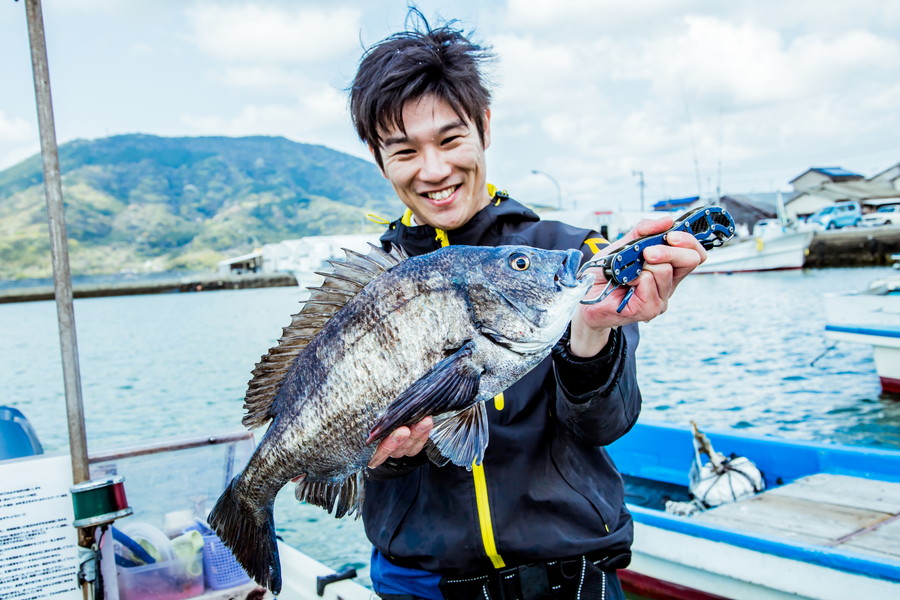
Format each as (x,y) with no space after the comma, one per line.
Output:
(414,63)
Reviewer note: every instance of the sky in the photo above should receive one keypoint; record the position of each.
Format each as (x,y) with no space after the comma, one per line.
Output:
(692,96)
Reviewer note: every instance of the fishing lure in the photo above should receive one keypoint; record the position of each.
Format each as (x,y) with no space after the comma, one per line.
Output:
(711,225)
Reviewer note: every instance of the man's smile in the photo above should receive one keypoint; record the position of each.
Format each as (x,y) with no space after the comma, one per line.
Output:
(441,194)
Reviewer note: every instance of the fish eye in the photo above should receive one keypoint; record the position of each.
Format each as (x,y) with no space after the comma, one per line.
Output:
(519,261)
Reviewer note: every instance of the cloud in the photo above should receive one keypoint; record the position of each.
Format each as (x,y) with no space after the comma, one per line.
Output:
(319,116)
(15,130)
(273,34)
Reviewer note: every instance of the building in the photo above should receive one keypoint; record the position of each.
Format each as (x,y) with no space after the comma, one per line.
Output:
(304,255)
(889,177)
(816,176)
(819,187)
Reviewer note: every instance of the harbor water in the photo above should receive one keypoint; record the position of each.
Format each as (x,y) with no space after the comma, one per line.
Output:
(741,351)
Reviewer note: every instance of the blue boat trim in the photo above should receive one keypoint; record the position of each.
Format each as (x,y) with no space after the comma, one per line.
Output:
(664,452)
(886,331)
(820,555)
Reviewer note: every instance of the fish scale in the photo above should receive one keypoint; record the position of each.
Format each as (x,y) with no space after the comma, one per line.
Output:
(384,342)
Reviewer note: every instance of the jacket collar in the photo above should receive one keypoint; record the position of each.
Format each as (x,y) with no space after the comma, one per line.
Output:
(481,230)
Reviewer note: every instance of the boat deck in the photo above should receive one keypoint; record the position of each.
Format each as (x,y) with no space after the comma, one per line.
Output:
(836,511)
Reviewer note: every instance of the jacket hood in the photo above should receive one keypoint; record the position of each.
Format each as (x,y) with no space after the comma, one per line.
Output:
(484,225)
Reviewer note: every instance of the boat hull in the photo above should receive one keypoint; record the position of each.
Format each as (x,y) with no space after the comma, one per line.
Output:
(822,529)
(704,566)
(786,251)
(873,319)
(885,342)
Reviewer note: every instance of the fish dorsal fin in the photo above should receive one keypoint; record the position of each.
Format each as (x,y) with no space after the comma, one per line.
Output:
(345,280)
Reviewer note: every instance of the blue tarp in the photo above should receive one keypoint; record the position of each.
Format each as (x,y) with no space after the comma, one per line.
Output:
(674,203)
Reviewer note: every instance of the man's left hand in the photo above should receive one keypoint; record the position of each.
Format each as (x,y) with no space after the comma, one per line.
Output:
(665,266)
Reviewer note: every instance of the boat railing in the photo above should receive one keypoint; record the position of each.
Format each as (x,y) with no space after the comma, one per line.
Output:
(171,485)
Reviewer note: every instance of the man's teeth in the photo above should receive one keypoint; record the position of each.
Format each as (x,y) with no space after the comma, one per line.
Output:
(442,194)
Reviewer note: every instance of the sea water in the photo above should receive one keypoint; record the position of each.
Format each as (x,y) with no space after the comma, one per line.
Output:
(743,351)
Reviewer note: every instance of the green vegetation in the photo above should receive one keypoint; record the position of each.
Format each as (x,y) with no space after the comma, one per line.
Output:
(148,203)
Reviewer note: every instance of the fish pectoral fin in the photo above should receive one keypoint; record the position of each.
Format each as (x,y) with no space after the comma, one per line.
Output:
(449,386)
(434,455)
(462,438)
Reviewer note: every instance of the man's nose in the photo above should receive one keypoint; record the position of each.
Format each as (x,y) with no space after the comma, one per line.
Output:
(434,165)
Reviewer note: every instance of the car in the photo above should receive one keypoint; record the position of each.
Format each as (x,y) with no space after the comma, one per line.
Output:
(840,214)
(885,215)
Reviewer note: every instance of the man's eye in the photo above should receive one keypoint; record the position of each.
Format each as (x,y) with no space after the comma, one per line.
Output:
(404,152)
(450,139)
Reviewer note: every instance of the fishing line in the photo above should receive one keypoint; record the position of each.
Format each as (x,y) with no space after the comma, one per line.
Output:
(824,352)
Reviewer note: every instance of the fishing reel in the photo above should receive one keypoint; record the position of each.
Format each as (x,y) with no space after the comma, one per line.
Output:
(711,225)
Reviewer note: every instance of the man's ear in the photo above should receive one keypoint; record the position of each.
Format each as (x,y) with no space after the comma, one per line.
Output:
(487,128)
(377,162)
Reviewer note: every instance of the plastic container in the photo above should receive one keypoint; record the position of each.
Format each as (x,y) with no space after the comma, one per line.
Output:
(221,569)
(167,580)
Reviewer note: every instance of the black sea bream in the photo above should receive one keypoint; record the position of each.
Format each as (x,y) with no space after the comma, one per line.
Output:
(386,341)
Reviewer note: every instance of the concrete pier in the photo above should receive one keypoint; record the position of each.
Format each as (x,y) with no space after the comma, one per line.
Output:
(839,248)
(854,247)
(196,283)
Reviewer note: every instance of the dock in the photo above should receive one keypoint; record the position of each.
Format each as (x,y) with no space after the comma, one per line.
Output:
(854,247)
(851,247)
(196,283)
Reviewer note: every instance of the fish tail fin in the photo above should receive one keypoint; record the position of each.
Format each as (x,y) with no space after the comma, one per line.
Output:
(249,532)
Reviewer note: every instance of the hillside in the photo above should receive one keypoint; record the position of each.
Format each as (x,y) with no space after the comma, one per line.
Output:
(148,203)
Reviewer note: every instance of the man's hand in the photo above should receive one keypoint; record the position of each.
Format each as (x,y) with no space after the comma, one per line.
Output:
(403,441)
(665,266)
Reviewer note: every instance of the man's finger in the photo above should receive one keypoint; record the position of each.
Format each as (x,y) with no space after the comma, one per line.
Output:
(389,445)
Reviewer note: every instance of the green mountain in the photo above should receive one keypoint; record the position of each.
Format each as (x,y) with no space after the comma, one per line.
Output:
(148,203)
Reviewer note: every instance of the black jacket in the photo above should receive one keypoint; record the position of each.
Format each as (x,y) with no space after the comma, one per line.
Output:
(546,489)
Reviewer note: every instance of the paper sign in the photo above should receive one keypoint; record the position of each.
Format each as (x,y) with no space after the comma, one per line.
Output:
(38,545)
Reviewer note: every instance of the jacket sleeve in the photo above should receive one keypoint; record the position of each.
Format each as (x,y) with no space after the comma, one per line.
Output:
(598,398)
(397,467)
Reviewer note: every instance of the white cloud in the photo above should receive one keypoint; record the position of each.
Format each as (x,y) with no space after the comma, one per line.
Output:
(13,130)
(273,34)
(319,116)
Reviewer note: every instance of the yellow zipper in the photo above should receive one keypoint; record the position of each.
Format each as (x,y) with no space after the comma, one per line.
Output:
(481,493)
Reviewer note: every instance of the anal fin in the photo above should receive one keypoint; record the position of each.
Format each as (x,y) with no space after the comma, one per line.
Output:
(340,498)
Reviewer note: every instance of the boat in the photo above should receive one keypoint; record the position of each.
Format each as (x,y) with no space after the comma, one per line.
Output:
(870,316)
(774,251)
(827,525)
(774,246)
(170,487)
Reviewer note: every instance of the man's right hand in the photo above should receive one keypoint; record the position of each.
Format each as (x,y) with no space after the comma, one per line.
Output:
(403,441)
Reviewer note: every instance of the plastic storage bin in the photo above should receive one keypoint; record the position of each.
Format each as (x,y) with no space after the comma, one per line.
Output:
(221,569)
(168,580)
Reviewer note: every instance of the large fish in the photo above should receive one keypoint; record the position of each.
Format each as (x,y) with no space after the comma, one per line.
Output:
(386,341)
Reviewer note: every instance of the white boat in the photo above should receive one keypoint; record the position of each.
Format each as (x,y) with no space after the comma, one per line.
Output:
(169,487)
(872,317)
(777,251)
(827,525)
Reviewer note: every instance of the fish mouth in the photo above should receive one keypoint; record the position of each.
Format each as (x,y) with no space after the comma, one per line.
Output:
(567,275)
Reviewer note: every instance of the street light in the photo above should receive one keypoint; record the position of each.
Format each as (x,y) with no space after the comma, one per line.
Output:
(556,183)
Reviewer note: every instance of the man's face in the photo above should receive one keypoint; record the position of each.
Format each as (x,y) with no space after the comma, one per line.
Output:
(437,166)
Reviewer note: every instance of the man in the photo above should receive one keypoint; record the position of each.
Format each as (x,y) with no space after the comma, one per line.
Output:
(543,516)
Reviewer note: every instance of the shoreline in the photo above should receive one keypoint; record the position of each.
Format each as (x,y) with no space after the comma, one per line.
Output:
(838,248)
(174,285)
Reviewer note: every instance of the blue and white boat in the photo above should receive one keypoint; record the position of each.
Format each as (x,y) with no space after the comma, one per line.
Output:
(871,317)
(827,525)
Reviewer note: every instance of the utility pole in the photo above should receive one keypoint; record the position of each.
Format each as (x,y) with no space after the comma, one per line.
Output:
(555,183)
(640,176)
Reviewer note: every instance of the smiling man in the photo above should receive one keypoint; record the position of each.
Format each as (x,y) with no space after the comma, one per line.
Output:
(543,517)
